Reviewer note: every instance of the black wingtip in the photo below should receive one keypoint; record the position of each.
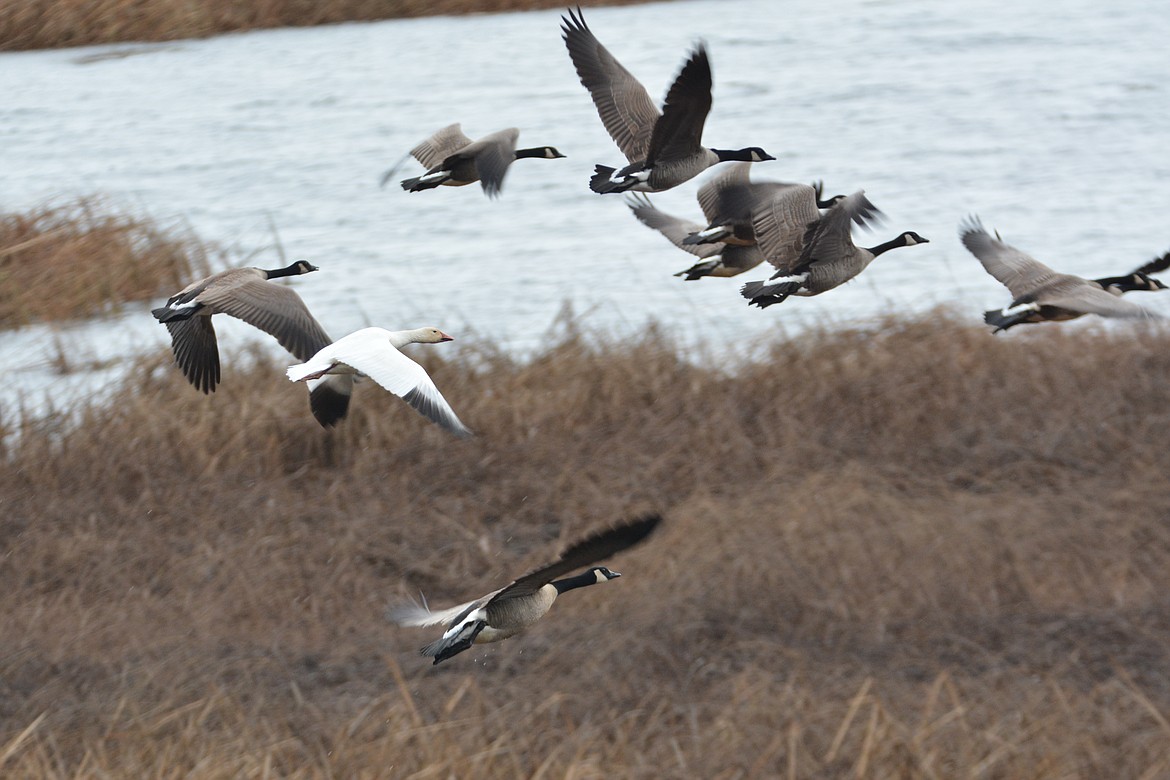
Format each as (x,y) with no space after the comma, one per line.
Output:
(641,527)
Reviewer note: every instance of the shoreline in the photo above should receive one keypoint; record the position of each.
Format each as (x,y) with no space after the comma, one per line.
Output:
(59,24)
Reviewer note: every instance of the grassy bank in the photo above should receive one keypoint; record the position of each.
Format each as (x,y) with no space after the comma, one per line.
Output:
(78,258)
(919,552)
(50,24)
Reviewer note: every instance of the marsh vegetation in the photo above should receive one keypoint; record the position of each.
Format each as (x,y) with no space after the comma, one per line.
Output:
(906,550)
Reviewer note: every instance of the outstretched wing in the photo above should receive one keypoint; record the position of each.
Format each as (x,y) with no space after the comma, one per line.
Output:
(625,107)
(679,133)
(440,146)
(379,360)
(196,351)
(273,308)
(1017,271)
(590,550)
(670,226)
(492,154)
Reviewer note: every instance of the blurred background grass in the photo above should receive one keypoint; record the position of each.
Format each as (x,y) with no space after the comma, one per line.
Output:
(906,550)
(49,24)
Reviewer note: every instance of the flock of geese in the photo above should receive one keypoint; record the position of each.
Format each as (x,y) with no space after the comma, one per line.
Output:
(805,237)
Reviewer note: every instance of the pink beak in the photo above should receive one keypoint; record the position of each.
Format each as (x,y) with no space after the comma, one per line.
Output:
(444,337)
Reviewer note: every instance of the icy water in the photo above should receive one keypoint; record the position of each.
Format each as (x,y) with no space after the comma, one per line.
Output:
(1050,120)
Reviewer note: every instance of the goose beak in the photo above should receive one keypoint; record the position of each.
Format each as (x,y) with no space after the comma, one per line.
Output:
(444,337)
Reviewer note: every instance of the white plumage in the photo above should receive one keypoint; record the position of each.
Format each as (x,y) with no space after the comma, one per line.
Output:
(373,352)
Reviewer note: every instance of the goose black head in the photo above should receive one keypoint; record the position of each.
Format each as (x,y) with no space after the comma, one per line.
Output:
(602,573)
(540,152)
(1145,282)
(910,238)
(747,154)
(296,269)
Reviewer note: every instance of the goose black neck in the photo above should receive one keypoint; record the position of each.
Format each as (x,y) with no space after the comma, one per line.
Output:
(292,270)
(733,155)
(579,581)
(1129,283)
(893,243)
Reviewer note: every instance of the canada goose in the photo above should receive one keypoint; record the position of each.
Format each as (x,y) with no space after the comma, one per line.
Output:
(828,257)
(373,352)
(730,200)
(508,611)
(454,160)
(664,149)
(718,259)
(245,293)
(1040,294)
(1138,279)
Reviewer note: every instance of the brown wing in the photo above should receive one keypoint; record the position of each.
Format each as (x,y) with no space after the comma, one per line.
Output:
(492,154)
(715,192)
(1021,273)
(678,134)
(196,351)
(670,226)
(590,550)
(781,222)
(831,238)
(440,146)
(626,110)
(273,308)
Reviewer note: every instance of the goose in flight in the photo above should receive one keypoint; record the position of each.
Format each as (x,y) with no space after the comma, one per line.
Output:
(454,160)
(1040,294)
(824,257)
(249,295)
(665,148)
(508,611)
(374,352)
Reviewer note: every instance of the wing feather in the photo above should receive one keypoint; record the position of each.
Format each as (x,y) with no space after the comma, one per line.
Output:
(273,308)
(373,355)
(625,108)
(590,550)
(678,134)
(196,351)
(1019,272)
(440,146)
(780,224)
(672,227)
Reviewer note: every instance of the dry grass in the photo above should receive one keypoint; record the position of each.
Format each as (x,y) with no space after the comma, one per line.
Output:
(47,24)
(914,552)
(77,258)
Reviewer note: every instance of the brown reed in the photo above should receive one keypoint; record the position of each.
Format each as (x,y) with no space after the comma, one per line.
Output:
(81,257)
(49,24)
(911,550)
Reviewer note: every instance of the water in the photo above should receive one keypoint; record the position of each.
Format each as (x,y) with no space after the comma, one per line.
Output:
(1050,120)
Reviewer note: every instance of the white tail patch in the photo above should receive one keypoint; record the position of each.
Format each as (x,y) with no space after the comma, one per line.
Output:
(1013,310)
(776,281)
